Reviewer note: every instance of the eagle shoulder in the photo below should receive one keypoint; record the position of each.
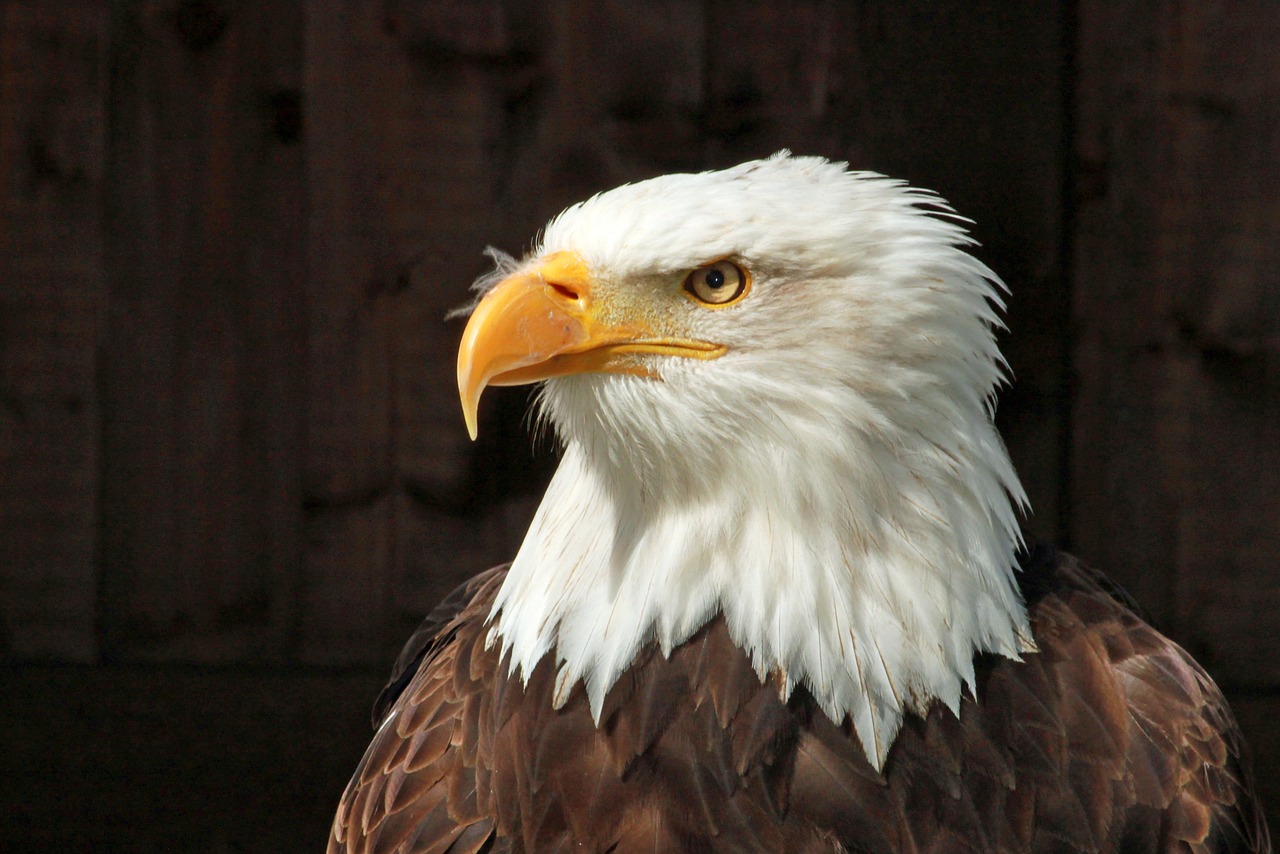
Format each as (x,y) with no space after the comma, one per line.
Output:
(415,788)
(1151,753)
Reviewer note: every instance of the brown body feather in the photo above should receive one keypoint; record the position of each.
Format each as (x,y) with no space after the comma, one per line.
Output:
(1110,738)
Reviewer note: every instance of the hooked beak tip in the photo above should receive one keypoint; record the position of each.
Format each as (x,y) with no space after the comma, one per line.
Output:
(470,417)
(469,392)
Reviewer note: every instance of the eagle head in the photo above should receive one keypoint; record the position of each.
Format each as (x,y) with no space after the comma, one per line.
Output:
(773,385)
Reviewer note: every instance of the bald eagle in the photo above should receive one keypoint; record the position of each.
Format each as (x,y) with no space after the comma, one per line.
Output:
(776,597)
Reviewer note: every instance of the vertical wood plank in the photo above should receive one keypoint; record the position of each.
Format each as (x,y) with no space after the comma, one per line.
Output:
(405,106)
(203,356)
(451,70)
(775,79)
(906,90)
(350,477)
(623,99)
(53,87)
(1178,360)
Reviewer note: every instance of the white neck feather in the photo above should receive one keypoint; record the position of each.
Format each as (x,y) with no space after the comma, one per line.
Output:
(872,580)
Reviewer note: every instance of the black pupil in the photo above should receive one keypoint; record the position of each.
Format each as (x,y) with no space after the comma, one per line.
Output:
(715,279)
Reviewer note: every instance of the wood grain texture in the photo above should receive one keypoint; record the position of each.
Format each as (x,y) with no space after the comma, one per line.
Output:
(53,119)
(1177,424)
(453,68)
(349,475)
(404,115)
(202,357)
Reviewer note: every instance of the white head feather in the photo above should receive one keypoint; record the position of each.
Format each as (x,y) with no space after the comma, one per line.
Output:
(833,484)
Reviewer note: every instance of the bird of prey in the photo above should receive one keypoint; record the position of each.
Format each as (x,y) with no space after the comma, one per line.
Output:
(776,596)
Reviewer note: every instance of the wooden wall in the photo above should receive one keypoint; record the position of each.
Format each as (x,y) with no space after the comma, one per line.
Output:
(1175,465)
(230,231)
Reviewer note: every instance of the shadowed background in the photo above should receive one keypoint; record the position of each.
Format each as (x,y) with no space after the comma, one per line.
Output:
(233,469)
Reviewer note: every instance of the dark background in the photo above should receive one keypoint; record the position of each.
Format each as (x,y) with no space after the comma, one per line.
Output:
(233,469)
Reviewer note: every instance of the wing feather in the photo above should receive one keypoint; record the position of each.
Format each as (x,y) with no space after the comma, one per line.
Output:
(414,790)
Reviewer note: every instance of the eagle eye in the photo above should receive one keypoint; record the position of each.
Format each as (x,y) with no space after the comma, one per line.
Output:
(718,285)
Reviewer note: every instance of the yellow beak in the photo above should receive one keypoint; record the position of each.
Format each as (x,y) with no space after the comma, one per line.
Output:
(546,323)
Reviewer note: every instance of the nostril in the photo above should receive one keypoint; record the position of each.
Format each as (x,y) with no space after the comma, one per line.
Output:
(564,290)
